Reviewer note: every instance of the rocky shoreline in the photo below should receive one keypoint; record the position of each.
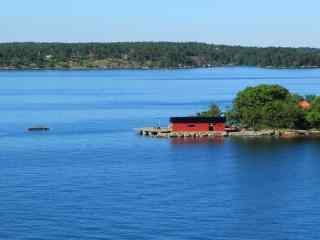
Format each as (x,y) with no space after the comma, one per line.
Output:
(287,133)
(130,67)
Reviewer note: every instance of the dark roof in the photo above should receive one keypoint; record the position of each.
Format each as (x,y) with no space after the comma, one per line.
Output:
(197,119)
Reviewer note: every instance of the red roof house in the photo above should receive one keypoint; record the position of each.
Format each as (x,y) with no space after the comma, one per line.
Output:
(304,104)
(198,124)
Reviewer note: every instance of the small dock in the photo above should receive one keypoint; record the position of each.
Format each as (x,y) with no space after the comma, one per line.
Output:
(229,132)
(153,131)
(168,133)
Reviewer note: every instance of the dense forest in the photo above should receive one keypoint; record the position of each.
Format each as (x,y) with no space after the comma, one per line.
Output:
(150,55)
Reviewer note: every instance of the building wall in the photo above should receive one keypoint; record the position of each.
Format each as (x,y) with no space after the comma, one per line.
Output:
(219,127)
(196,127)
(190,127)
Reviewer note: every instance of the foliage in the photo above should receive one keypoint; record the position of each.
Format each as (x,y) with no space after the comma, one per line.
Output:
(282,114)
(214,111)
(297,97)
(150,55)
(267,106)
(313,115)
(310,98)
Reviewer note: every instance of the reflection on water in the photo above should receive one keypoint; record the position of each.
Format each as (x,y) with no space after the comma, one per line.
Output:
(201,140)
(249,141)
(276,141)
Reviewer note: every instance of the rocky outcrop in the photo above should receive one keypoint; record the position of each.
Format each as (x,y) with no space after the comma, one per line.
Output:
(277,133)
(247,133)
(168,133)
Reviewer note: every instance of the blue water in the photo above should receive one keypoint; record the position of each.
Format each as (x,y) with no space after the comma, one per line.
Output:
(92,177)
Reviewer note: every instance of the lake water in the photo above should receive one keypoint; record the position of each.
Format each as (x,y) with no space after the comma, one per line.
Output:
(92,177)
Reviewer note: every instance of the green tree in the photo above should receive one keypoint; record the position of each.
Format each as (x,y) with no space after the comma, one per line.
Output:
(282,114)
(313,115)
(310,98)
(266,106)
(214,111)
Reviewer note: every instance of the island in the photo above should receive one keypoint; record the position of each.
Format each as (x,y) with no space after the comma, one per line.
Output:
(263,110)
(150,55)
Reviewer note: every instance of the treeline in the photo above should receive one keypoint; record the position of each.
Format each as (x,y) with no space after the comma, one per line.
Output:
(151,55)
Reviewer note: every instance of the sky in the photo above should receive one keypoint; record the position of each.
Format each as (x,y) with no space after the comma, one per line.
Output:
(292,23)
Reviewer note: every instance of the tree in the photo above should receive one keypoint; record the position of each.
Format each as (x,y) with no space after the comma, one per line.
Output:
(313,115)
(266,106)
(282,114)
(214,111)
(310,98)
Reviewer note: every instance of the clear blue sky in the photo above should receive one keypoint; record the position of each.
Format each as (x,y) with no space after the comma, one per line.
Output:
(236,22)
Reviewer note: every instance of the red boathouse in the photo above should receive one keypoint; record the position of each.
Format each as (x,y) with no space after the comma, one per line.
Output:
(197,124)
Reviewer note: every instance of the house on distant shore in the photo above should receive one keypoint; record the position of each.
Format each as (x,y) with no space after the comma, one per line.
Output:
(197,124)
(304,104)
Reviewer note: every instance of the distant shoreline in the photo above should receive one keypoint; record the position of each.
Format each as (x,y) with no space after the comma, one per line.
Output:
(152,69)
(151,56)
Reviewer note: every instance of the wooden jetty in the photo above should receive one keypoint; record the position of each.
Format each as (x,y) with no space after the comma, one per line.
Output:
(153,131)
(229,132)
(169,133)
